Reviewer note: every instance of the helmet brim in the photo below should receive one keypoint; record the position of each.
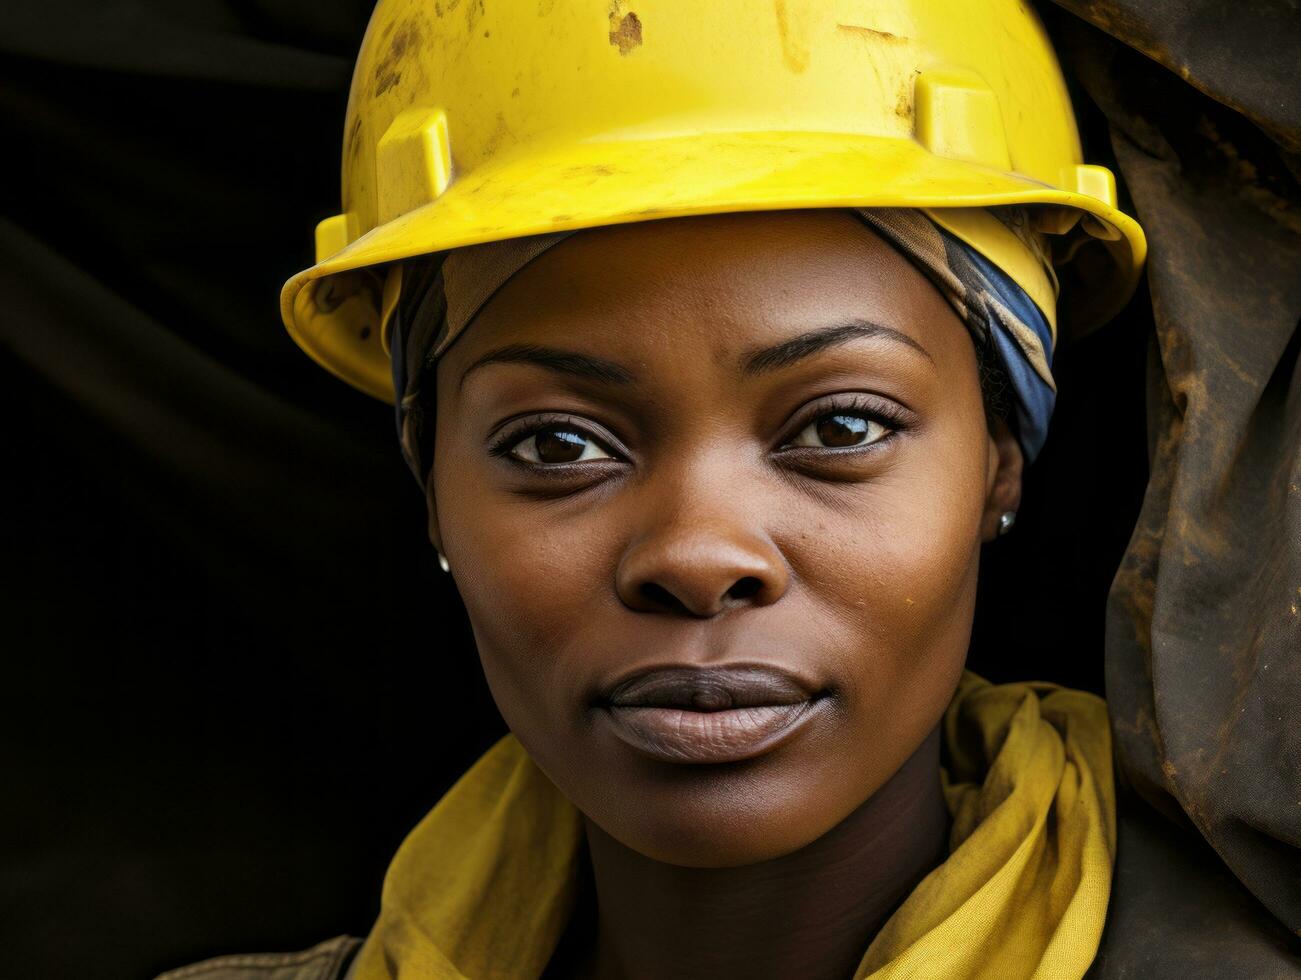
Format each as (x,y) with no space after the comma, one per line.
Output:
(615,181)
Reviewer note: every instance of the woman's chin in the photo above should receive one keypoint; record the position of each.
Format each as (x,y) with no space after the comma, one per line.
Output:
(722,816)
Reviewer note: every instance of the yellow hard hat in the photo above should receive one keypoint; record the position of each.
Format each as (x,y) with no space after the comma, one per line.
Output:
(479,120)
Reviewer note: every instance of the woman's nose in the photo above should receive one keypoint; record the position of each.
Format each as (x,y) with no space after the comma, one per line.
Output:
(701,565)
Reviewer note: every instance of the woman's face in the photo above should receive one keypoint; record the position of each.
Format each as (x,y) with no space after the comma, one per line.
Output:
(713,491)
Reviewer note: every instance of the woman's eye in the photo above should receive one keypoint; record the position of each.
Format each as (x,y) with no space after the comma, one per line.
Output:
(558,445)
(840,430)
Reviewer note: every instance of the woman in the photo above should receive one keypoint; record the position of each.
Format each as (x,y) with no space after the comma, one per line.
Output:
(713,486)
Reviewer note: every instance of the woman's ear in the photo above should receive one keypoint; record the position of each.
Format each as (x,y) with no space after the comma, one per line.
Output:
(1003,493)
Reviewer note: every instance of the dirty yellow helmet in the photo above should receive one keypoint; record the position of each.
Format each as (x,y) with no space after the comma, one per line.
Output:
(478,120)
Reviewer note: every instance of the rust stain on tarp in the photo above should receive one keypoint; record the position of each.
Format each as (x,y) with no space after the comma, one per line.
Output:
(1253,186)
(625,29)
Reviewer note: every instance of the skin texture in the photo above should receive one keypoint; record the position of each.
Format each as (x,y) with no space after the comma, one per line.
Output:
(708,522)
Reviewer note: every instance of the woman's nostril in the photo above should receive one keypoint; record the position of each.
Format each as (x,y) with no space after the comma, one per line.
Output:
(653,596)
(659,595)
(745,588)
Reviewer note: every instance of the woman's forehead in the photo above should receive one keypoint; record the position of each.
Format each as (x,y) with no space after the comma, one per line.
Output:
(720,281)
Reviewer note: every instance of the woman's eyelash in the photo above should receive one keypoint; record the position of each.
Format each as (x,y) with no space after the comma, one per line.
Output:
(512,435)
(886,413)
(879,410)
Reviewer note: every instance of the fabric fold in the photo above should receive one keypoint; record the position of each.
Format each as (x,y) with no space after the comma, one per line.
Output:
(1024,891)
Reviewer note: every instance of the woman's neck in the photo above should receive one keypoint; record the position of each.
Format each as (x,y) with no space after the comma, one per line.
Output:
(809,914)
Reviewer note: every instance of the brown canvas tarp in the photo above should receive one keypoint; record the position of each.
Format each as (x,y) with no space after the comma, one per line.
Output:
(1203,654)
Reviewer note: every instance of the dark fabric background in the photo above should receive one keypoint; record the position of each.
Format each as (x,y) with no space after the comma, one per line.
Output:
(224,635)
(1203,654)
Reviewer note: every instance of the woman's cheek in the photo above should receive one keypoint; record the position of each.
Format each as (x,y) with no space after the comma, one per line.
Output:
(902,584)
(531,587)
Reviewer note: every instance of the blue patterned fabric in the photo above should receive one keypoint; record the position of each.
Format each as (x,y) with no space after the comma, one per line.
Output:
(1034,396)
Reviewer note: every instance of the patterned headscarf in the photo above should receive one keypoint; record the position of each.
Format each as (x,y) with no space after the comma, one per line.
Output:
(440,295)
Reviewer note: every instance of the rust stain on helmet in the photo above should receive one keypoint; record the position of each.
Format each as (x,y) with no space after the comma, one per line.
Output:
(625,29)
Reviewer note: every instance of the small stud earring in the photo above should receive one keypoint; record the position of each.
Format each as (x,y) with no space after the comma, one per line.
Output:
(1005,521)
(442,563)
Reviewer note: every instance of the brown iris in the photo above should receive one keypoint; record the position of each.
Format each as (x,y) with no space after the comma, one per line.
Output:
(842,430)
(559,445)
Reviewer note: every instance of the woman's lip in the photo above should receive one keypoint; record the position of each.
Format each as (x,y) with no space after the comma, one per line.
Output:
(716,688)
(708,737)
(709,715)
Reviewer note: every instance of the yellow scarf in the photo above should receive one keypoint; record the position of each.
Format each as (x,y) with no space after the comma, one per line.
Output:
(484,885)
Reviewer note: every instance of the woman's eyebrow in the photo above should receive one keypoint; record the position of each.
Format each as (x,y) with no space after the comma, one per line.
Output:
(555,359)
(806,344)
